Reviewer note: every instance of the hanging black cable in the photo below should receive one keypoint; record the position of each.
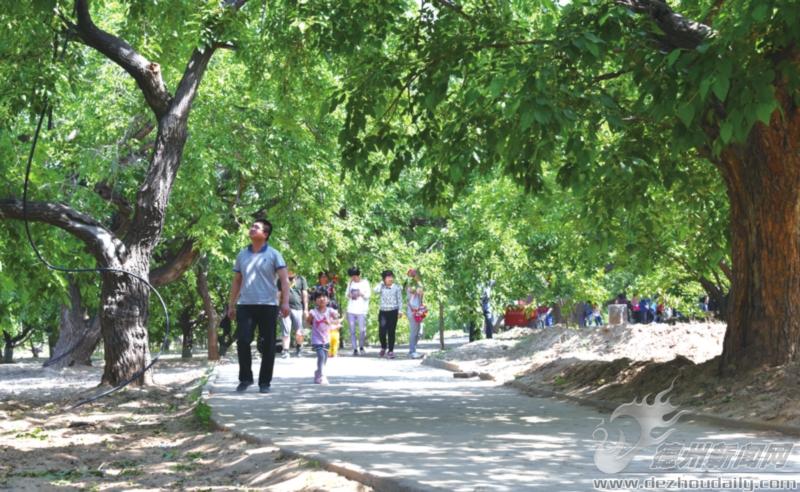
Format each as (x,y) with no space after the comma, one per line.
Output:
(56,268)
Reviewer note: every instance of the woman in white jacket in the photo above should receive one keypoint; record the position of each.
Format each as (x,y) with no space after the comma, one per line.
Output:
(358,294)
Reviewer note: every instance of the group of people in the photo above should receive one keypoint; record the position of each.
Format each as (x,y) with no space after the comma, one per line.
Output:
(264,287)
(639,310)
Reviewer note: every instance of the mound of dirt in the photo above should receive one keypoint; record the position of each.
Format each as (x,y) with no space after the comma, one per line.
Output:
(516,351)
(625,362)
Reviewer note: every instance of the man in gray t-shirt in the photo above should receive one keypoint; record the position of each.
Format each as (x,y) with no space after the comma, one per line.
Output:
(254,303)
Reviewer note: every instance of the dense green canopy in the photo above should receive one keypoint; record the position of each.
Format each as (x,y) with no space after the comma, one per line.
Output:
(568,150)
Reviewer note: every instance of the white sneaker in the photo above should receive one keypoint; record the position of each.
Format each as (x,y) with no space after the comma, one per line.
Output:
(285,354)
(415,355)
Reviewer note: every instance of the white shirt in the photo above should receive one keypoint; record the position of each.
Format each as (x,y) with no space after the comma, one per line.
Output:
(359,305)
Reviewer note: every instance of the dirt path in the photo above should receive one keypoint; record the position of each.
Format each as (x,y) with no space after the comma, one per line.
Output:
(153,439)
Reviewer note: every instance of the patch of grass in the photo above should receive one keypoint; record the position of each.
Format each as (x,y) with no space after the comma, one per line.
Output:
(63,476)
(202,415)
(35,433)
(560,380)
(194,455)
(312,464)
(184,467)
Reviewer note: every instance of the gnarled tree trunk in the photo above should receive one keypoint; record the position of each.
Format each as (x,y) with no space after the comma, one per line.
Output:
(123,321)
(187,332)
(124,300)
(208,307)
(8,350)
(763,181)
(10,342)
(78,336)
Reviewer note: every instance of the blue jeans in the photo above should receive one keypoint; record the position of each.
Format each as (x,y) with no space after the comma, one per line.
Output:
(488,323)
(414,328)
(322,355)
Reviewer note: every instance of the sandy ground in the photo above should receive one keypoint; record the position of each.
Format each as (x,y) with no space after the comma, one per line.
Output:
(139,439)
(631,361)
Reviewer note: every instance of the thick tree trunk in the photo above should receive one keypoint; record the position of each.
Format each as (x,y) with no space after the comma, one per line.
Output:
(8,352)
(187,330)
(35,350)
(763,180)
(718,296)
(228,335)
(123,322)
(10,342)
(78,336)
(208,307)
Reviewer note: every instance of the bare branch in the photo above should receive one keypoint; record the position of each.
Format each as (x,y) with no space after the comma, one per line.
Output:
(190,82)
(101,242)
(146,73)
(175,266)
(124,208)
(458,9)
(511,44)
(137,154)
(609,76)
(680,32)
(726,269)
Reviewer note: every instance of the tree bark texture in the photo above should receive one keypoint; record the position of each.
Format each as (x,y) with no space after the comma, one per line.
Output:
(763,183)
(208,306)
(78,336)
(8,352)
(123,321)
(187,332)
(10,342)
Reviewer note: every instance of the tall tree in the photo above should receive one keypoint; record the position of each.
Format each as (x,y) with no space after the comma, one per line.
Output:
(466,86)
(124,300)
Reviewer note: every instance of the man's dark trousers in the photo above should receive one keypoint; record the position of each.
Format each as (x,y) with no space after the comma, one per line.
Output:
(265,318)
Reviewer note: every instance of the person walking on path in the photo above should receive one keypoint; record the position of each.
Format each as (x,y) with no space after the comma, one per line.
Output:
(415,310)
(390,307)
(254,303)
(325,281)
(298,312)
(322,319)
(486,308)
(358,293)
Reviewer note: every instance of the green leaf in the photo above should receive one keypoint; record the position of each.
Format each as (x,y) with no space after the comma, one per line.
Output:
(764,111)
(592,47)
(720,87)
(705,85)
(496,87)
(686,114)
(673,57)
(526,119)
(726,131)
(760,12)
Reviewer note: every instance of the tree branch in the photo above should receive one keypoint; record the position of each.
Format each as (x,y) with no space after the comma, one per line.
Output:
(124,208)
(726,269)
(511,44)
(101,242)
(146,73)
(458,9)
(175,266)
(679,31)
(190,82)
(193,74)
